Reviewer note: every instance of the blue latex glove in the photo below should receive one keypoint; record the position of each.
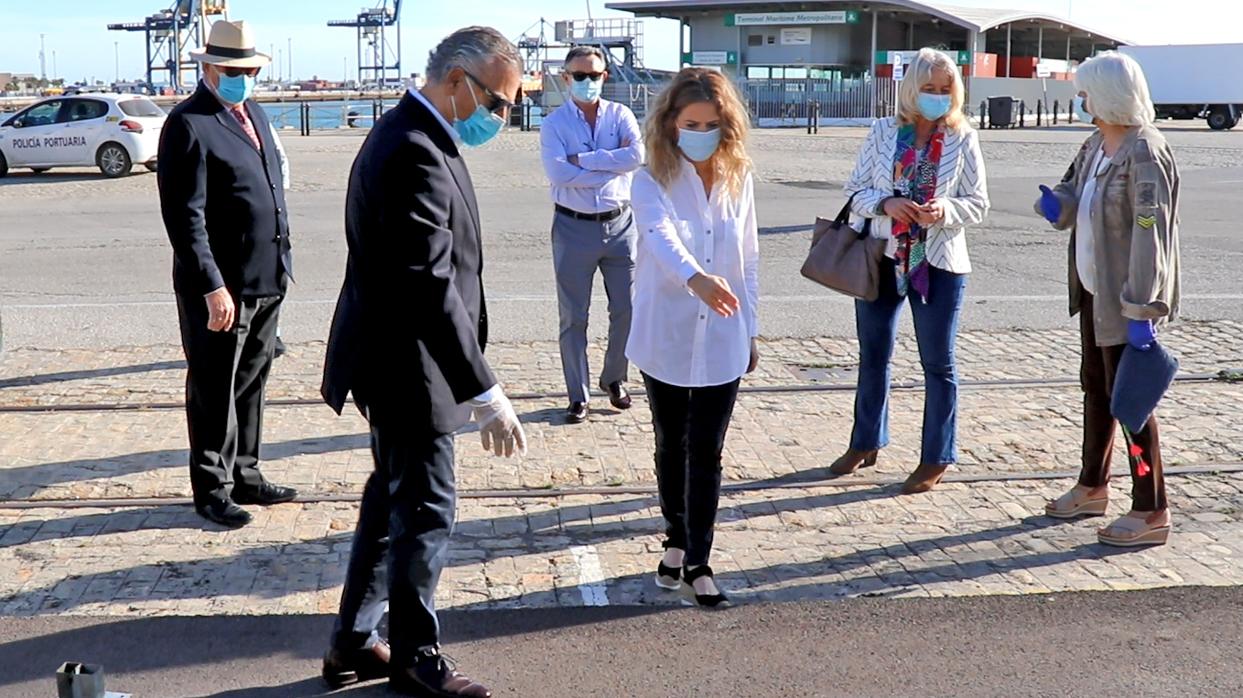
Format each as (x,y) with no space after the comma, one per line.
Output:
(1140,334)
(1050,205)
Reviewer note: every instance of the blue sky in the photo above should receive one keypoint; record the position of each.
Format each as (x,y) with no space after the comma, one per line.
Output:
(76,29)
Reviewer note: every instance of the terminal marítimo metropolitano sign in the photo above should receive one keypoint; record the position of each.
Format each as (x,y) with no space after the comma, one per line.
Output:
(758,19)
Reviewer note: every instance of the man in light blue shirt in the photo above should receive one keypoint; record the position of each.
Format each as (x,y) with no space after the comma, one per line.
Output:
(590,147)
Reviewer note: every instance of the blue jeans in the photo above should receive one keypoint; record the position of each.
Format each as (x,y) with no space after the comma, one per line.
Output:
(936,327)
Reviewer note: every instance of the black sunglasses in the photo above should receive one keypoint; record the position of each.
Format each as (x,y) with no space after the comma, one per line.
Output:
(580,76)
(498,103)
(239,72)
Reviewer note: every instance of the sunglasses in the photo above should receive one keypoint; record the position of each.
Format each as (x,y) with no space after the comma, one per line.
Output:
(239,72)
(580,76)
(496,103)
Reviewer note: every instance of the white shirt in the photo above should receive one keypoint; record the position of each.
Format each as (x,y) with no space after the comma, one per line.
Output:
(439,117)
(674,337)
(606,156)
(1085,237)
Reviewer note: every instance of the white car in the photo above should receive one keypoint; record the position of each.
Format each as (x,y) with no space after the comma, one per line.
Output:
(110,131)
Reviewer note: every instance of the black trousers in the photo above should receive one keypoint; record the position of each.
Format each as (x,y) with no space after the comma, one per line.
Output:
(400,543)
(228,372)
(690,426)
(1100,367)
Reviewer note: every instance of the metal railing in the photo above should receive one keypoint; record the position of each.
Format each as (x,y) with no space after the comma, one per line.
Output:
(787,102)
(306,117)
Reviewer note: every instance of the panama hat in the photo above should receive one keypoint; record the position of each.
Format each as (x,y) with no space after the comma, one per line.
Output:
(231,45)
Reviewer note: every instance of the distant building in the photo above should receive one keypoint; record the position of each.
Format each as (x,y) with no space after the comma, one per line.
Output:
(19,83)
(845,55)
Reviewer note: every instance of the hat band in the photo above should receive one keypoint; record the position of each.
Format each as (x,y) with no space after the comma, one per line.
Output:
(226,52)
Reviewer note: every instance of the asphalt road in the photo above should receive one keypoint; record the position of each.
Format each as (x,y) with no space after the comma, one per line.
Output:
(1186,642)
(84,261)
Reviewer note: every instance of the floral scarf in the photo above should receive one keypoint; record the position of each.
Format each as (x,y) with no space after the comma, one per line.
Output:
(914,177)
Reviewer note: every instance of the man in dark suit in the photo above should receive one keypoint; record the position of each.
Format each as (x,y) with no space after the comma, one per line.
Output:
(223,202)
(407,340)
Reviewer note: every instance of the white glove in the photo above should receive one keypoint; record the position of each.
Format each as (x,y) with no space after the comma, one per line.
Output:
(499,428)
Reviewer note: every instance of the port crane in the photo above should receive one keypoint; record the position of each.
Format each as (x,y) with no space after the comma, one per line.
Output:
(378,52)
(171,34)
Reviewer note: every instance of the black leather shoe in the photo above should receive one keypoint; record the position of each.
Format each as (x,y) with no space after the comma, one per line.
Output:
(436,676)
(344,667)
(576,413)
(618,397)
(224,512)
(264,495)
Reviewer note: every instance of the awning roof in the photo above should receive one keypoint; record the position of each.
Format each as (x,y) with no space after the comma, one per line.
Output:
(972,18)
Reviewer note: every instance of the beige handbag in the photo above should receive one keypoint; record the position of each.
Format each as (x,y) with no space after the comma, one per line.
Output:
(844,260)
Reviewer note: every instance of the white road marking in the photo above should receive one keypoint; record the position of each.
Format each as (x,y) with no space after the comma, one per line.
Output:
(590,575)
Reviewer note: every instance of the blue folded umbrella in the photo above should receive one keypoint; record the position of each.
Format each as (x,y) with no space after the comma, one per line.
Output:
(1142,380)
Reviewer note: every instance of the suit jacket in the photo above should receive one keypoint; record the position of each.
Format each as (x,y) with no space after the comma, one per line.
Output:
(410,324)
(961,184)
(223,201)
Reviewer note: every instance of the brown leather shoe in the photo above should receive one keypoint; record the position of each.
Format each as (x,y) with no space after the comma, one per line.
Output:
(924,478)
(344,667)
(618,397)
(436,676)
(852,460)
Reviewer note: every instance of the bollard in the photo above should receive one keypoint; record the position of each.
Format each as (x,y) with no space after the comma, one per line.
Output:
(1056,107)
(1022,114)
(983,114)
(1040,113)
(78,680)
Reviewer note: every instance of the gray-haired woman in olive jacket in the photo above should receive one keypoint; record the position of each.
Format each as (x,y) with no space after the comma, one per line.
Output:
(1120,199)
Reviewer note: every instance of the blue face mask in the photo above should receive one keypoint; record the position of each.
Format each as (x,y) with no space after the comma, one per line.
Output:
(933,107)
(587,90)
(478,128)
(1081,110)
(235,90)
(699,145)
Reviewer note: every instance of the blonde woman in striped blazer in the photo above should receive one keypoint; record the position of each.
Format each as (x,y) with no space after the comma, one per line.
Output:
(920,180)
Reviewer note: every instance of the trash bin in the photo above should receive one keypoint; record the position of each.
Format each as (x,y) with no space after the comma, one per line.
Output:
(1003,112)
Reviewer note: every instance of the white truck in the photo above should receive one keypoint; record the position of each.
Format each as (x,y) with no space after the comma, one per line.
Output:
(1194,81)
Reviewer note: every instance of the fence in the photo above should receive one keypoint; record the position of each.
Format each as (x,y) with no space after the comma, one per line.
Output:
(802,102)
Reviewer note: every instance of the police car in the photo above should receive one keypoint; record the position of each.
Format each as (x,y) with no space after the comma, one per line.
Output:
(110,131)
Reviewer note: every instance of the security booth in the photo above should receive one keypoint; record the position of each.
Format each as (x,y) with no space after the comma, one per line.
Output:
(846,57)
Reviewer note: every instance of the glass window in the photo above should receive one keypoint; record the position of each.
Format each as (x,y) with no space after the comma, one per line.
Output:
(141,107)
(757,73)
(778,73)
(755,40)
(796,73)
(86,109)
(41,114)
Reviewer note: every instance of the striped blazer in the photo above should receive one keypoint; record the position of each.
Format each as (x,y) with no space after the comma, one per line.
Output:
(961,186)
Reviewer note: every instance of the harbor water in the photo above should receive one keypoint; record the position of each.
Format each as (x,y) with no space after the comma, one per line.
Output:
(341,114)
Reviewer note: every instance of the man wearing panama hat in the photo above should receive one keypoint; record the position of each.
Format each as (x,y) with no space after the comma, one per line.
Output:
(222,195)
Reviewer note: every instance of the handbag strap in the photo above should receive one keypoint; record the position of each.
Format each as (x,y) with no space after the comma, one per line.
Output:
(843,218)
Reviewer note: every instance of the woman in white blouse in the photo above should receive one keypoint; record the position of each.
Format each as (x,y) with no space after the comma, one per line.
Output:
(920,179)
(694,321)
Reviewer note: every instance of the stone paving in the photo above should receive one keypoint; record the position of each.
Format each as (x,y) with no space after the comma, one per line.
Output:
(784,534)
